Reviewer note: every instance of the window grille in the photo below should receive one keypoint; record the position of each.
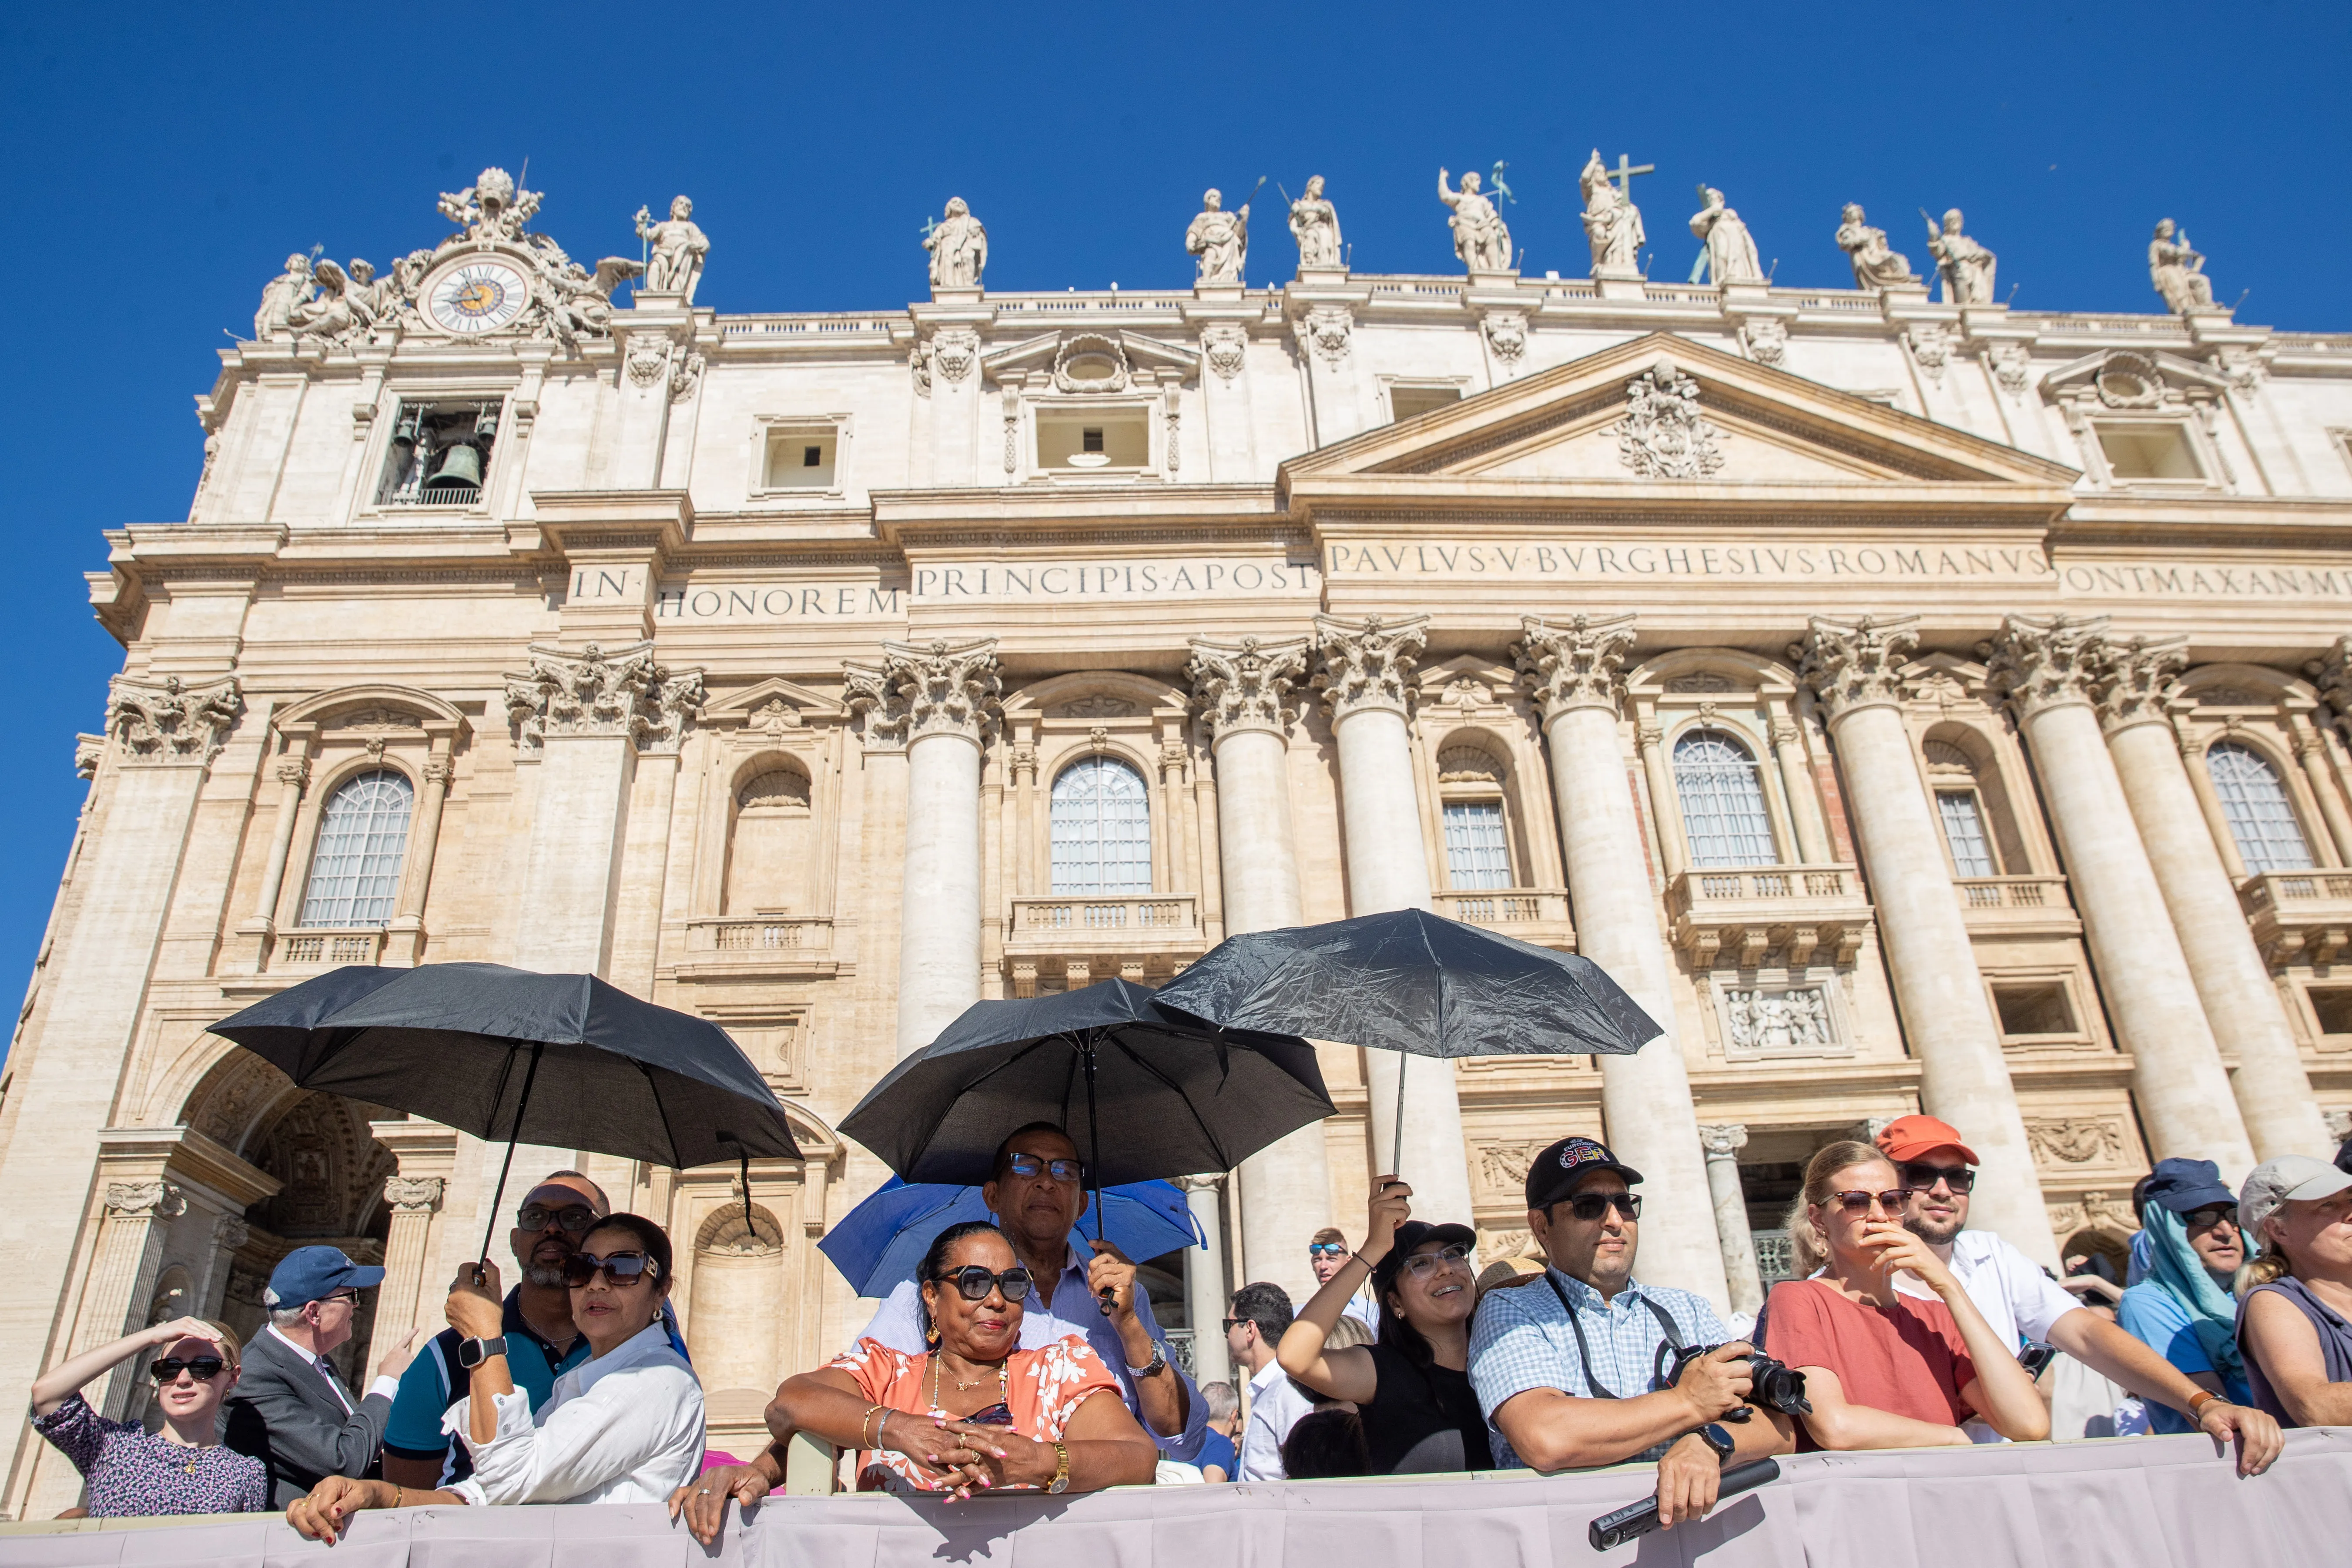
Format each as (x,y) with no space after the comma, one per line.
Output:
(1964,832)
(2254,804)
(363,838)
(1102,829)
(1478,854)
(1722,800)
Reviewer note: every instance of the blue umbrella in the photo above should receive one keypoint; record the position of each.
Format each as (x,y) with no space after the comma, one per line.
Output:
(880,1242)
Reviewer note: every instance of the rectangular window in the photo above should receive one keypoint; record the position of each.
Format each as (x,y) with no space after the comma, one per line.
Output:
(440,454)
(2332,1006)
(1477,855)
(1405,402)
(2143,451)
(1964,832)
(803,458)
(1099,438)
(2034,1009)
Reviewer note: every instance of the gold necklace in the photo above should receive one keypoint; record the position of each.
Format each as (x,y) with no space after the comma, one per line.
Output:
(938,1366)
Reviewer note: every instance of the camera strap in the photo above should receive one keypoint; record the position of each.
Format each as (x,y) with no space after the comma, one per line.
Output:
(1584,1350)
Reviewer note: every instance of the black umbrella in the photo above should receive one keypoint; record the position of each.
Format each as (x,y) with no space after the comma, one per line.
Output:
(463,1044)
(1409,981)
(1178,1095)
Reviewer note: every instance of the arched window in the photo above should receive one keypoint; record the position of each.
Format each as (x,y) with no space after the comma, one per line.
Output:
(1960,810)
(362,838)
(2254,804)
(1723,802)
(1102,829)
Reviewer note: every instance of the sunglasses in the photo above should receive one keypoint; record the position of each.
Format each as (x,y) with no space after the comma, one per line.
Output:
(1855,1203)
(1919,1178)
(575,1220)
(973,1283)
(2205,1219)
(1589,1207)
(1066,1171)
(1422,1265)
(620,1270)
(168,1370)
(1326,1249)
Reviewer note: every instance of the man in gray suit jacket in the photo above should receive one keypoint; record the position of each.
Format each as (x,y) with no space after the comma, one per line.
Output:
(289,1410)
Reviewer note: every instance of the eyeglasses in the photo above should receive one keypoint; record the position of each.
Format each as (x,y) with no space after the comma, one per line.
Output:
(1422,1265)
(1855,1203)
(168,1370)
(973,1283)
(576,1220)
(1960,1178)
(2205,1219)
(620,1270)
(1326,1249)
(1588,1207)
(1232,1323)
(1066,1171)
(348,1296)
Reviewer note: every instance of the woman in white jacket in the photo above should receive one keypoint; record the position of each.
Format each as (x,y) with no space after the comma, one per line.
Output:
(625,1425)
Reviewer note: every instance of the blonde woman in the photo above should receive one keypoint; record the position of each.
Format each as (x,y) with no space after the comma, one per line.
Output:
(1884,1369)
(183,1469)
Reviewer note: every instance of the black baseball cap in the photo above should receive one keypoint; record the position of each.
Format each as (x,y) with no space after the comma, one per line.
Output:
(1411,1236)
(1554,1174)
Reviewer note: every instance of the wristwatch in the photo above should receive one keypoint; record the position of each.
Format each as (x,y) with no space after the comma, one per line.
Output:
(1158,1365)
(1061,1481)
(1714,1435)
(472,1354)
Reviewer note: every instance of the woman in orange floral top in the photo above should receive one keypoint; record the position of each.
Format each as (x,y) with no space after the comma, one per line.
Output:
(974,1413)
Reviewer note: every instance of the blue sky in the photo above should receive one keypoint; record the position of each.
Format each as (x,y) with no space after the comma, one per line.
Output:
(161,162)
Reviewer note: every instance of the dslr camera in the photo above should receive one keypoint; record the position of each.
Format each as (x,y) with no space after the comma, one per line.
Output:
(1772,1385)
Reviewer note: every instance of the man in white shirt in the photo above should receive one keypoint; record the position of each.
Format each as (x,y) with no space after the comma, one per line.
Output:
(2024,1303)
(1255,1324)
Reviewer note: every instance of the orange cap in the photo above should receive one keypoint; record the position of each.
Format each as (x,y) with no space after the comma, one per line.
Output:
(1908,1137)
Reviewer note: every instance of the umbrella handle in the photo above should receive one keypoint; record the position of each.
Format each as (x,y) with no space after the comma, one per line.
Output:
(1396,1126)
(514,1136)
(1094,1164)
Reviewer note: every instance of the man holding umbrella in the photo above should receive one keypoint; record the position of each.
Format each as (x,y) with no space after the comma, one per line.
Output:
(1036,1195)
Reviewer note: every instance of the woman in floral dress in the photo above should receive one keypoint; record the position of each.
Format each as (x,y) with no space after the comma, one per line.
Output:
(183,1469)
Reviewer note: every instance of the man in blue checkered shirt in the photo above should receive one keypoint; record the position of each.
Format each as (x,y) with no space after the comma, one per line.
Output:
(1570,1366)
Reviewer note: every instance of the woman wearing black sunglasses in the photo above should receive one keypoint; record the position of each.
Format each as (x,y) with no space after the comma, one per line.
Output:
(974,1413)
(625,1425)
(183,1469)
(1884,1368)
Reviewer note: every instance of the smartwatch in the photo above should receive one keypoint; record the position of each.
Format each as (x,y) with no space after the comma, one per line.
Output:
(1717,1439)
(472,1354)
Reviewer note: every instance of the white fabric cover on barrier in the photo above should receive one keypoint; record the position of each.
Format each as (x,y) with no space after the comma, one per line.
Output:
(2141,1503)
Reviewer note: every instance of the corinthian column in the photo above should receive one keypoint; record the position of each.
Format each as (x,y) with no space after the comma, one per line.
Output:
(1722,1141)
(1856,671)
(2273,1094)
(942,696)
(1367,672)
(1244,694)
(1571,673)
(2046,670)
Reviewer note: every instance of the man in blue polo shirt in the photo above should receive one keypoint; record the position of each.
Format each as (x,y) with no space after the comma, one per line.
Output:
(541,1341)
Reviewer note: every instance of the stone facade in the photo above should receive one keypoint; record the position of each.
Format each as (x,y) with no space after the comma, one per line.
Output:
(1915,704)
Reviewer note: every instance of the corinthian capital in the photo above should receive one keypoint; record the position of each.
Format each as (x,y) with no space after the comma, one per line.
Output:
(932,688)
(2135,680)
(145,1200)
(2043,662)
(1246,685)
(1723,1140)
(1855,663)
(1573,666)
(2333,677)
(413,1193)
(1367,664)
(597,693)
(168,720)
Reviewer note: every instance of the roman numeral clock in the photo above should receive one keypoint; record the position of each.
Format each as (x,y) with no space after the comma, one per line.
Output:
(477,296)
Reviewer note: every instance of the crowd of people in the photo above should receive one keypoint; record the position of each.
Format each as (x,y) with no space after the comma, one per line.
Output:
(1014,1361)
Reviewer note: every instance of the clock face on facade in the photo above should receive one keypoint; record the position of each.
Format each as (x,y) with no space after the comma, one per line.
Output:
(477,296)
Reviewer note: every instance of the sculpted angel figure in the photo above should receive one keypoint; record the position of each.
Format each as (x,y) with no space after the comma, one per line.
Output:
(1612,224)
(326,314)
(279,296)
(1874,265)
(1966,266)
(1315,224)
(370,296)
(1219,239)
(1481,239)
(1730,254)
(959,248)
(679,244)
(489,208)
(578,302)
(2178,271)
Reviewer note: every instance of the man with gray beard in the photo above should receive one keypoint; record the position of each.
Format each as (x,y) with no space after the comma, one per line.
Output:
(2022,1302)
(541,1341)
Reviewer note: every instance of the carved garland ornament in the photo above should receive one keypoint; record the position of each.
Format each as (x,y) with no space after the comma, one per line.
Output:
(2076,1141)
(168,720)
(1576,666)
(1368,664)
(1662,434)
(597,694)
(1246,685)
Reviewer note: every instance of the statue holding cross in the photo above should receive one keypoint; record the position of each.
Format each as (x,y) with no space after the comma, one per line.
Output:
(1612,224)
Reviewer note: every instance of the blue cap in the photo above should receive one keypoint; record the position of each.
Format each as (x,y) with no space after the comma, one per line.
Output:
(2186,1186)
(310,1274)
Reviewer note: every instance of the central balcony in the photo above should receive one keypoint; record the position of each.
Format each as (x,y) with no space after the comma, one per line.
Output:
(2299,917)
(1738,914)
(1538,915)
(1065,940)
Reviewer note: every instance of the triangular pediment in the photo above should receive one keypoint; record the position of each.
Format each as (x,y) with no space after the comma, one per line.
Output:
(1616,421)
(772,703)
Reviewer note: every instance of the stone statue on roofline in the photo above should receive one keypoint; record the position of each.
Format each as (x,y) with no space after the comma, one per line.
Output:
(1219,239)
(959,248)
(674,264)
(1966,266)
(1612,224)
(2178,271)
(1315,224)
(1481,239)
(1875,264)
(1730,253)
(489,208)
(281,296)
(327,313)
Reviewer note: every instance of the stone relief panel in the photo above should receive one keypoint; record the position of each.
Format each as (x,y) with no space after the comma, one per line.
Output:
(1502,1166)
(2076,1141)
(1801,1015)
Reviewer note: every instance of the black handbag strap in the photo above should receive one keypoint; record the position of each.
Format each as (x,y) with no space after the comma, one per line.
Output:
(1584,1351)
